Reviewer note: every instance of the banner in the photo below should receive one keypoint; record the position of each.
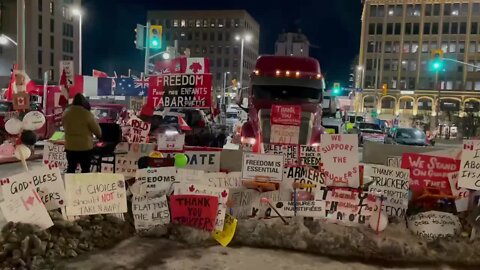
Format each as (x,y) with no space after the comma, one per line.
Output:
(289,115)
(150,212)
(462,194)
(289,152)
(138,131)
(199,211)
(262,166)
(340,159)
(54,156)
(170,142)
(156,181)
(310,155)
(181,91)
(432,225)
(95,193)
(470,165)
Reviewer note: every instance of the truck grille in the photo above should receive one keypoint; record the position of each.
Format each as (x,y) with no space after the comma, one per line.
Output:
(306,126)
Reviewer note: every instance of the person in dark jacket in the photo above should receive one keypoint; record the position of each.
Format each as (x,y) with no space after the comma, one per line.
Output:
(79,125)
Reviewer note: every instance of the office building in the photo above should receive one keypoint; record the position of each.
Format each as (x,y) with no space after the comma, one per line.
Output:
(292,44)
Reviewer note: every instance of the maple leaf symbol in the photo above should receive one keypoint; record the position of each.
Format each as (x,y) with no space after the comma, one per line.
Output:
(224,194)
(191,188)
(195,67)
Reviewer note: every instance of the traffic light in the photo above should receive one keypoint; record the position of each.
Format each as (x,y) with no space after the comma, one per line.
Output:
(140,37)
(155,37)
(336,89)
(437,60)
(385,89)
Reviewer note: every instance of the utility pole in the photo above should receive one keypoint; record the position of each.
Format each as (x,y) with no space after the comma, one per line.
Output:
(21,34)
(147,49)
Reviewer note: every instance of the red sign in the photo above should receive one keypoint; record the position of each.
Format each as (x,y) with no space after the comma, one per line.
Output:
(199,211)
(290,115)
(429,172)
(180,90)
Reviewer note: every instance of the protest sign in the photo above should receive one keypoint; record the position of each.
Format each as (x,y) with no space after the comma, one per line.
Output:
(429,172)
(95,193)
(262,209)
(135,150)
(221,193)
(150,212)
(393,183)
(49,186)
(138,131)
(243,201)
(180,90)
(340,159)
(302,175)
(199,211)
(289,115)
(310,155)
(127,164)
(54,155)
(222,180)
(461,194)
(156,181)
(284,134)
(394,161)
(432,225)
(300,208)
(189,175)
(469,170)
(201,158)
(225,237)
(170,142)
(256,166)
(289,152)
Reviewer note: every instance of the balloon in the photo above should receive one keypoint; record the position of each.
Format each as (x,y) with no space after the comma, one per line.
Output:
(22,152)
(181,160)
(13,126)
(28,137)
(33,120)
(378,224)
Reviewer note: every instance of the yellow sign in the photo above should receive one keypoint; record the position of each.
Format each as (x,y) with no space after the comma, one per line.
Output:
(330,130)
(225,237)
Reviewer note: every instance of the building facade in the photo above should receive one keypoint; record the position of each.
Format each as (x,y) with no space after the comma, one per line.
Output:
(211,34)
(292,44)
(395,59)
(51,35)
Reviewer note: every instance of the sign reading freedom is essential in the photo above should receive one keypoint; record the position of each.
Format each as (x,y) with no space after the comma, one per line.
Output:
(340,159)
(150,212)
(180,90)
(289,115)
(469,170)
(95,193)
(262,166)
(199,211)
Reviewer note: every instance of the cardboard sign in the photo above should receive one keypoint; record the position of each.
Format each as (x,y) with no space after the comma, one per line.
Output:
(340,159)
(310,155)
(156,181)
(289,152)
(201,159)
(189,175)
(150,212)
(136,103)
(225,237)
(95,193)
(138,131)
(170,142)
(21,101)
(303,175)
(180,90)
(126,166)
(54,155)
(301,208)
(461,194)
(221,193)
(284,134)
(432,225)
(393,183)
(199,211)
(267,167)
(469,170)
(289,115)
(243,201)
(429,172)
(222,180)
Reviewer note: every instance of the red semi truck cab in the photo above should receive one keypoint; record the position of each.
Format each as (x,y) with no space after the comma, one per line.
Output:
(283,80)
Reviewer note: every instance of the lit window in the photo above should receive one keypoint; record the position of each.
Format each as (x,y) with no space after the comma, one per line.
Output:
(183,23)
(175,23)
(198,23)
(390,12)
(52,7)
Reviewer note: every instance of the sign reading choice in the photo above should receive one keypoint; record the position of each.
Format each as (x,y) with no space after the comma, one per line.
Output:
(262,166)
(470,167)
(340,159)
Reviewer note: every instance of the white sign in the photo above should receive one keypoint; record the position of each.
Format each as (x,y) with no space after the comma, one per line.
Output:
(300,209)
(189,175)
(310,155)
(393,183)
(262,166)
(243,200)
(222,180)
(168,142)
(156,181)
(204,160)
(302,175)
(461,194)
(138,131)
(394,161)
(340,159)
(54,155)
(432,225)
(127,164)
(289,152)
(469,176)
(95,193)
(150,212)
(69,68)
(284,134)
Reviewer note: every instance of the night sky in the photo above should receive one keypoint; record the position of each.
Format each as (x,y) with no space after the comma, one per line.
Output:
(332,26)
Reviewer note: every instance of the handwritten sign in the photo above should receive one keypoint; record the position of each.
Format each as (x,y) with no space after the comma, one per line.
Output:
(289,115)
(201,159)
(199,211)
(461,194)
(301,208)
(394,161)
(156,181)
(393,183)
(189,175)
(432,225)
(243,201)
(225,237)
(340,159)
(54,155)
(170,142)
(150,212)
(127,164)
(95,193)
(429,172)
(269,167)
(284,134)
(302,175)
(222,180)
(289,152)
(470,165)
(262,209)
(138,131)
(310,155)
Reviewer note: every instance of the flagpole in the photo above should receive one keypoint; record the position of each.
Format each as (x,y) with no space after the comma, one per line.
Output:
(21,34)
(147,48)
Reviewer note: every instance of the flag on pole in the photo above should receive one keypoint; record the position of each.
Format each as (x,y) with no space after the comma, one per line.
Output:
(131,87)
(19,82)
(63,101)
(99,74)
(92,86)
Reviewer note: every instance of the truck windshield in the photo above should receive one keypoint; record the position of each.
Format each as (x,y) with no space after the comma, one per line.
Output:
(277,92)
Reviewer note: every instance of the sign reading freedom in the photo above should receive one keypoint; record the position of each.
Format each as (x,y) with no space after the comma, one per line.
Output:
(180,90)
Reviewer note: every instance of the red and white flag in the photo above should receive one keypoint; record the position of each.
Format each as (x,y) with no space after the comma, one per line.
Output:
(197,65)
(183,125)
(19,82)
(63,101)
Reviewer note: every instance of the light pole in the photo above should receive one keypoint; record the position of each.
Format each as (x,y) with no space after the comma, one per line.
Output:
(78,12)
(242,39)
(21,34)
(224,85)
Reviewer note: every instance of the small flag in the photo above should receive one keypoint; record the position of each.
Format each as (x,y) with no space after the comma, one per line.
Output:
(468,145)
(91,86)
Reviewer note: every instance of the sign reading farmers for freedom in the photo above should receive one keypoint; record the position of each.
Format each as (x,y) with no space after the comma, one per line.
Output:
(432,225)
(95,193)
(54,155)
(302,175)
(262,166)
(300,209)
(180,90)
(150,212)
(429,172)
(138,131)
(393,183)
(461,194)
(310,155)
(289,152)
(340,159)
(470,168)
(156,181)
(199,211)
(200,158)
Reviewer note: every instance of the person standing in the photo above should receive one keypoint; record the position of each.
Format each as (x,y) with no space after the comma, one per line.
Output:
(79,125)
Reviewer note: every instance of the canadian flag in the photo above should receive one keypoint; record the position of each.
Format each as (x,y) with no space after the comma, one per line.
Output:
(468,145)
(63,101)
(19,82)
(197,65)
(183,125)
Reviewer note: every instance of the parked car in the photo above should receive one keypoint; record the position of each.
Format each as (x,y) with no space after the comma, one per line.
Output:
(407,136)
(107,113)
(369,132)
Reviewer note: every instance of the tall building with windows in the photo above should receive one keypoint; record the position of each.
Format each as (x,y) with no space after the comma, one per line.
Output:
(211,34)
(293,44)
(52,35)
(395,58)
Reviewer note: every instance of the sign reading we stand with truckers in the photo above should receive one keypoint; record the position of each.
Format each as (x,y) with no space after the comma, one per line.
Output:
(285,124)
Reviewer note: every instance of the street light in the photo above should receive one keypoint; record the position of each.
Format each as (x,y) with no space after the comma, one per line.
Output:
(247,38)
(78,12)
(4,39)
